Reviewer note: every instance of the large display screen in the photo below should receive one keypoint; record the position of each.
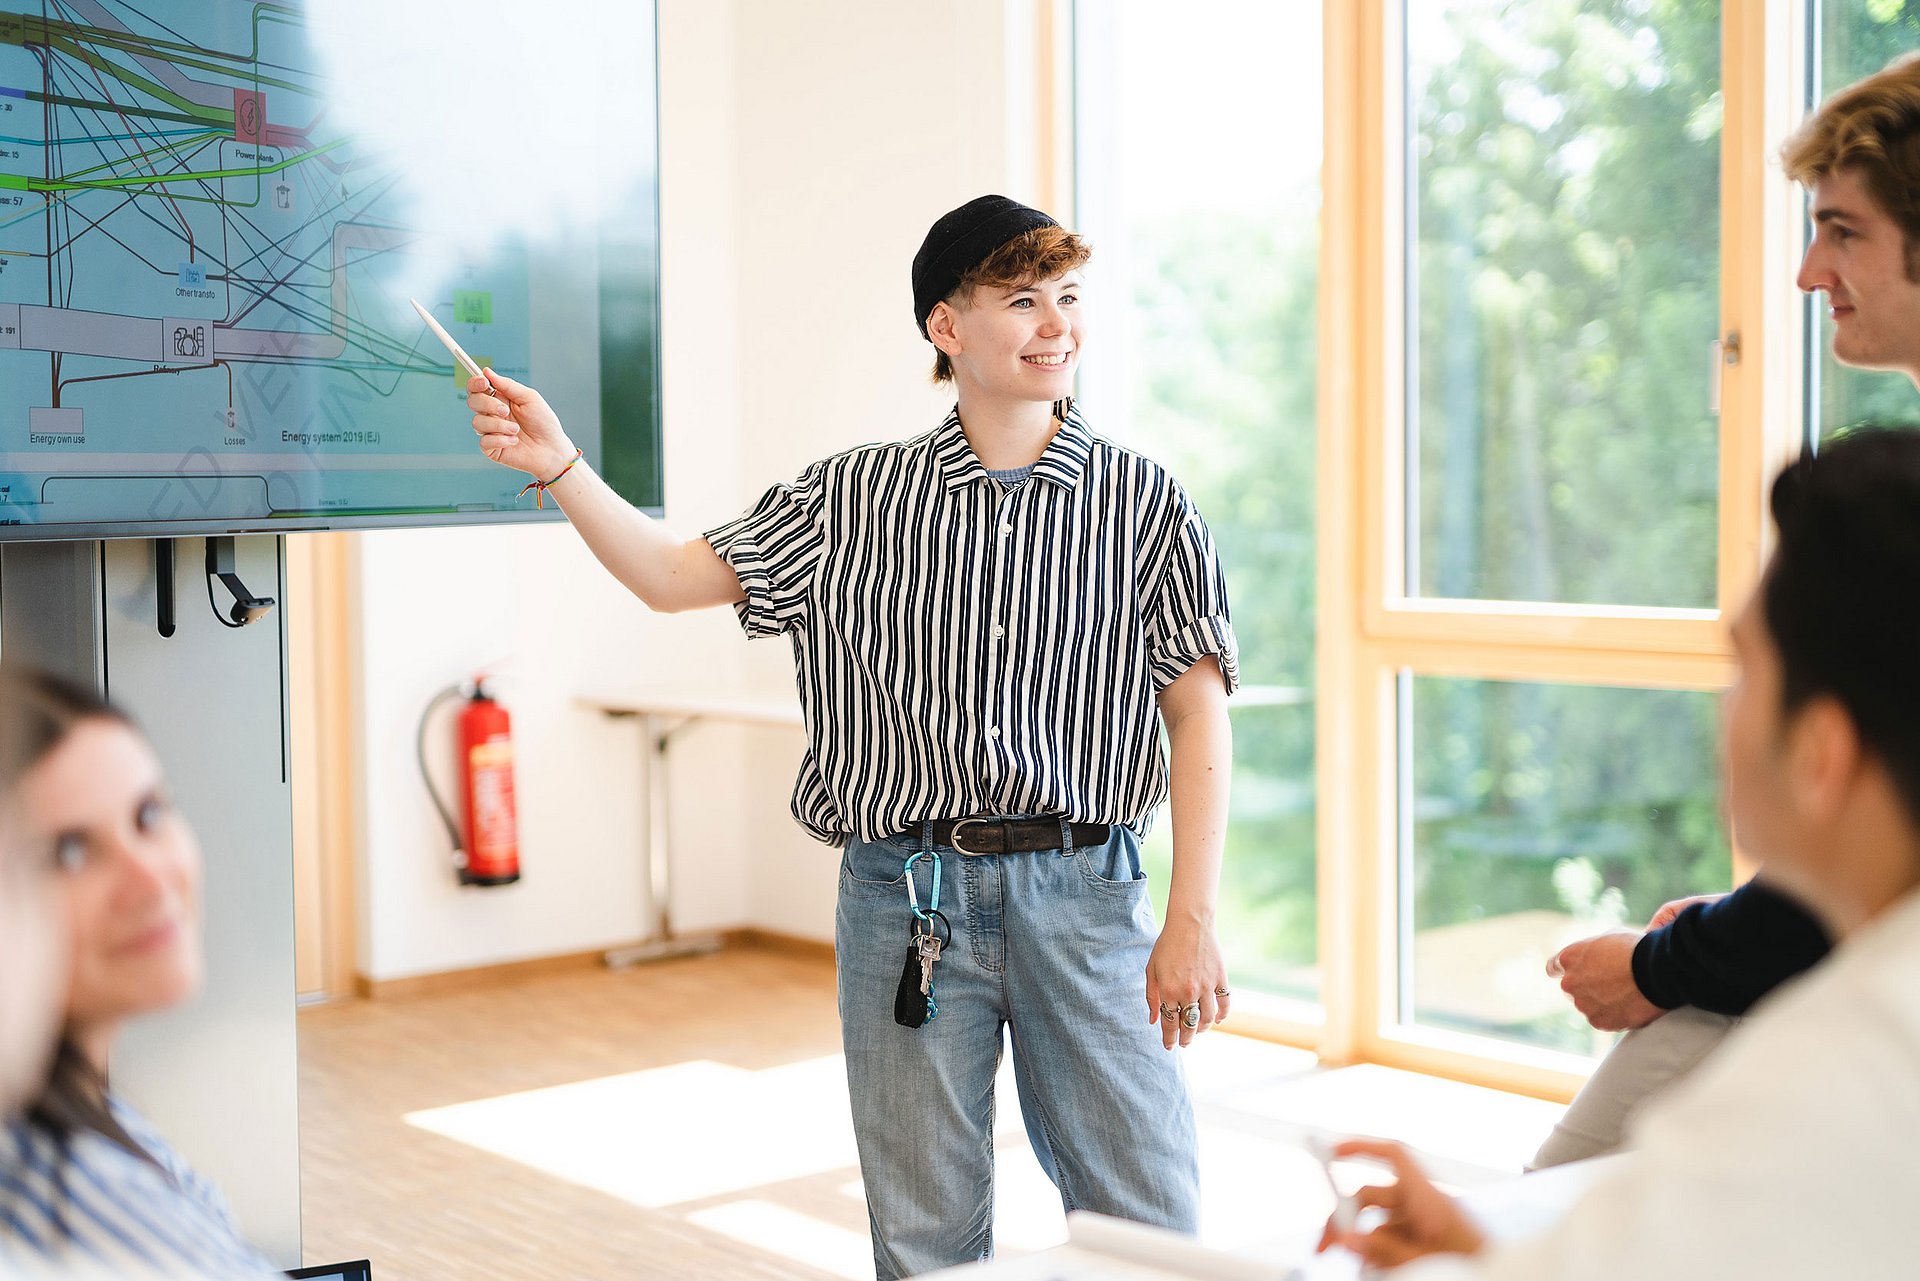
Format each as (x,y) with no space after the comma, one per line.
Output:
(207,252)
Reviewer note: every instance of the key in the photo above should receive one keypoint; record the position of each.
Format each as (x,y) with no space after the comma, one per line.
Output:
(928,946)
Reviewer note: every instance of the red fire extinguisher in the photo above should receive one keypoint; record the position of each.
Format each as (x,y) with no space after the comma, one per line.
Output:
(486,851)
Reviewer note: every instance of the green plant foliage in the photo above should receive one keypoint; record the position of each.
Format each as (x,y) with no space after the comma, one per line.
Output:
(1566,212)
(1225,397)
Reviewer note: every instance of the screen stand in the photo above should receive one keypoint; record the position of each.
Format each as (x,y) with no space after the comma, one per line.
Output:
(217,1077)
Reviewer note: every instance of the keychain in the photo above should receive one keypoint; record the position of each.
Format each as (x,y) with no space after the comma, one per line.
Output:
(913,1003)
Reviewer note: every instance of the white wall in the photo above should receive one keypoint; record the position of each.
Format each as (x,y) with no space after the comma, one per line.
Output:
(804,151)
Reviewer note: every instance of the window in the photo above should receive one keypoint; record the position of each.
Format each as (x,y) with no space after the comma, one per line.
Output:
(1534,814)
(1562,294)
(1559,356)
(1561,300)
(1198,183)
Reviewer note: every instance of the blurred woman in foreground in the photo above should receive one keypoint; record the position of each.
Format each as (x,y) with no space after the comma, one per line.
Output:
(33,917)
(85,1184)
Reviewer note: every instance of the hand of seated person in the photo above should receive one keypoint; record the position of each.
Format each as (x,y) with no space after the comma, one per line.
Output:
(1597,973)
(1420,1218)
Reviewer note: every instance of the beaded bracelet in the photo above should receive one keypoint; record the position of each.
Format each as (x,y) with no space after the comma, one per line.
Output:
(540,499)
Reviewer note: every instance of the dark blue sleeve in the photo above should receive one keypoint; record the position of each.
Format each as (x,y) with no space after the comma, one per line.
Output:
(1724,956)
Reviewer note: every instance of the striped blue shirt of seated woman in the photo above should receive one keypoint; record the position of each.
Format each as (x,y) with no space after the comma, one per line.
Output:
(86,1186)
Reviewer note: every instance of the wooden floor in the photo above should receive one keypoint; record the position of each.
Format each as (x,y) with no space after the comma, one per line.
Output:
(429,1208)
(689,1119)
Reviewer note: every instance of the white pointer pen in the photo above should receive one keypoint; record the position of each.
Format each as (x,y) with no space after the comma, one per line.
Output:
(465,361)
(1346,1210)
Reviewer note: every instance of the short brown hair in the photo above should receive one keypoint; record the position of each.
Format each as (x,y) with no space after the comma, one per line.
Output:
(1030,257)
(1871,127)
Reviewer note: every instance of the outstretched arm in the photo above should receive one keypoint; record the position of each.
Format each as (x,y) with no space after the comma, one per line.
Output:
(518,429)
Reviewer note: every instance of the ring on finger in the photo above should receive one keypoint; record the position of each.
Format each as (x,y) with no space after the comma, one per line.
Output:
(1190,1015)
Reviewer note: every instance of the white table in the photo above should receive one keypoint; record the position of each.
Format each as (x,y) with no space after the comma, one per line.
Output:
(1505,1211)
(662,715)
(1103,1249)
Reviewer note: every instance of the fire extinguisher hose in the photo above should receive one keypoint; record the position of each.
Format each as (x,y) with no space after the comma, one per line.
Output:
(426,775)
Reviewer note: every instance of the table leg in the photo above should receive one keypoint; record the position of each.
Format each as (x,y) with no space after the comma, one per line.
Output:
(656,856)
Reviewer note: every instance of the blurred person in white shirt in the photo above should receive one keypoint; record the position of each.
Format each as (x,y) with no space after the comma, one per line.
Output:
(1788,1154)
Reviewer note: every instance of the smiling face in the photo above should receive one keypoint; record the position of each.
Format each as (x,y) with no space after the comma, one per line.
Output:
(1859,259)
(99,801)
(1017,343)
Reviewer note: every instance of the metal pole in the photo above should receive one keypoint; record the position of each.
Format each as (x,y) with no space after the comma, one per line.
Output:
(656,854)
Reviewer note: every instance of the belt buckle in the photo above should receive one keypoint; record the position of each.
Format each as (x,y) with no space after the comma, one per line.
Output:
(960,825)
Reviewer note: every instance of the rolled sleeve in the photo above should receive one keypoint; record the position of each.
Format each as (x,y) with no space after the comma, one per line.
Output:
(774,550)
(1187,615)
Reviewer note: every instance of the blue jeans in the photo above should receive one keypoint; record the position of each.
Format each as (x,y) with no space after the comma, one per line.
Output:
(1052,947)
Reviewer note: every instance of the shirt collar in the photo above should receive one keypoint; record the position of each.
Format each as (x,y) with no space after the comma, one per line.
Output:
(1063,462)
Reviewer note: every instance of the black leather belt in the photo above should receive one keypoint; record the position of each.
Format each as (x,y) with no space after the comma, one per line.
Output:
(1013,836)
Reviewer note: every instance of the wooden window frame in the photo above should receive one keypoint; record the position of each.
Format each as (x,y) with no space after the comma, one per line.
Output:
(1369,630)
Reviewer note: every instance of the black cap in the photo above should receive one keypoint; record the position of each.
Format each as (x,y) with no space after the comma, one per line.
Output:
(961,241)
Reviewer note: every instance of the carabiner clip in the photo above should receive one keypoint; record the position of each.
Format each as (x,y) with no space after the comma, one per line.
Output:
(913,897)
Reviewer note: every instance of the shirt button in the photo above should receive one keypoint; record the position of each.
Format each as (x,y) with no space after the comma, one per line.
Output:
(1006,527)
(998,631)
(993,731)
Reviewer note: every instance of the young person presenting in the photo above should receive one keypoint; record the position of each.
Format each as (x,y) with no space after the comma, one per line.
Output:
(990,624)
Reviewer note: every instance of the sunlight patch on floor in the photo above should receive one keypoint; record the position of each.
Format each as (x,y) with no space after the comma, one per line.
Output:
(687,1132)
(800,1237)
(729,1145)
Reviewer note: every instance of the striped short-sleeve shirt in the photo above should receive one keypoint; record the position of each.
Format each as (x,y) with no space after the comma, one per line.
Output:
(964,646)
